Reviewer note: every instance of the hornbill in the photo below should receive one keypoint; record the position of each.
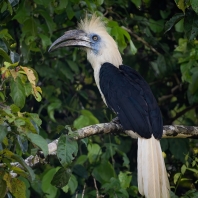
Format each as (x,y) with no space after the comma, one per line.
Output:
(126,93)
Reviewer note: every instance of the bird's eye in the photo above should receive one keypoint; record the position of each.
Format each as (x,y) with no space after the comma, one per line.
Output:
(95,38)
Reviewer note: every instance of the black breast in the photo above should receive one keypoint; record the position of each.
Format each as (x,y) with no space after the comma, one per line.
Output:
(129,95)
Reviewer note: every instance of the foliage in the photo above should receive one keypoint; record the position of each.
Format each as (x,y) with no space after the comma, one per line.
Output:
(41,94)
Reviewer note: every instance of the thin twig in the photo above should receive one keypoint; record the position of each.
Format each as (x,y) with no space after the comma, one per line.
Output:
(141,40)
(97,192)
(181,113)
(83,192)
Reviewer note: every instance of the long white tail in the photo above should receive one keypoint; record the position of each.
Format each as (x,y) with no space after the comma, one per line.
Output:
(152,176)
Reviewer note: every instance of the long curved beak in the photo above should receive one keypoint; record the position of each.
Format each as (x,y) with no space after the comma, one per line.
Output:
(71,38)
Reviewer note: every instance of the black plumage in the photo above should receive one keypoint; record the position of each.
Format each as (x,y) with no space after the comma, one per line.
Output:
(130,97)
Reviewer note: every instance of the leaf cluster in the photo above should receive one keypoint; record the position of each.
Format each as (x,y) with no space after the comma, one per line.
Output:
(45,96)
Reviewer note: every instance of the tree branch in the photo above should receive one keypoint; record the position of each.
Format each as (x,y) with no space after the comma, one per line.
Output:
(141,40)
(169,131)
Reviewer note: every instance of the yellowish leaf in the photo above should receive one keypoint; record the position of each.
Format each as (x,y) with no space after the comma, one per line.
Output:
(30,75)
(13,73)
(18,188)
(36,93)
(7,64)
(7,178)
(5,72)
(39,89)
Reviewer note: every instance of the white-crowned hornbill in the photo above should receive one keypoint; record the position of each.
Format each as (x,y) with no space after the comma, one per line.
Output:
(125,92)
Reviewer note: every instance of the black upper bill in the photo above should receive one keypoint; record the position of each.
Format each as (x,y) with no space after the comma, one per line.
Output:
(71,38)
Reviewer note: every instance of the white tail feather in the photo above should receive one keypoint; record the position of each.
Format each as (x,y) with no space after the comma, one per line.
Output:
(152,176)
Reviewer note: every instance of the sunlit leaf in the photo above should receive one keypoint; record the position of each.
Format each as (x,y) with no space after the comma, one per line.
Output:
(39,141)
(94,152)
(30,74)
(18,188)
(103,172)
(73,184)
(125,179)
(176,177)
(47,187)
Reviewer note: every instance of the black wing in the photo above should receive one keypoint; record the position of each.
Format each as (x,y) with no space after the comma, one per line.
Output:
(129,95)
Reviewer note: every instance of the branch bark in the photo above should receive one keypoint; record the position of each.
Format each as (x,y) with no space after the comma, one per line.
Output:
(169,131)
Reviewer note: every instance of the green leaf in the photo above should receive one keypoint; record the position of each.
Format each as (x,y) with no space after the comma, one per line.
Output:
(156,26)
(194,4)
(80,171)
(191,25)
(81,159)
(87,118)
(45,41)
(69,11)
(42,2)
(5,55)
(92,118)
(29,28)
(137,3)
(67,148)
(17,92)
(56,104)
(183,169)
(103,172)
(23,143)
(193,87)
(62,4)
(181,4)
(176,177)
(81,122)
(35,118)
(39,141)
(179,148)
(94,152)
(3,132)
(193,170)
(125,179)
(61,178)
(179,27)
(132,47)
(73,66)
(66,72)
(161,63)
(73,184)
(22,14)
(47,187)
(175,19)
(173,195)
(48,19)
(3,187)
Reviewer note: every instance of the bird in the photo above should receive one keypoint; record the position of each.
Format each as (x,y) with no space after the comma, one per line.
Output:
(128,95)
